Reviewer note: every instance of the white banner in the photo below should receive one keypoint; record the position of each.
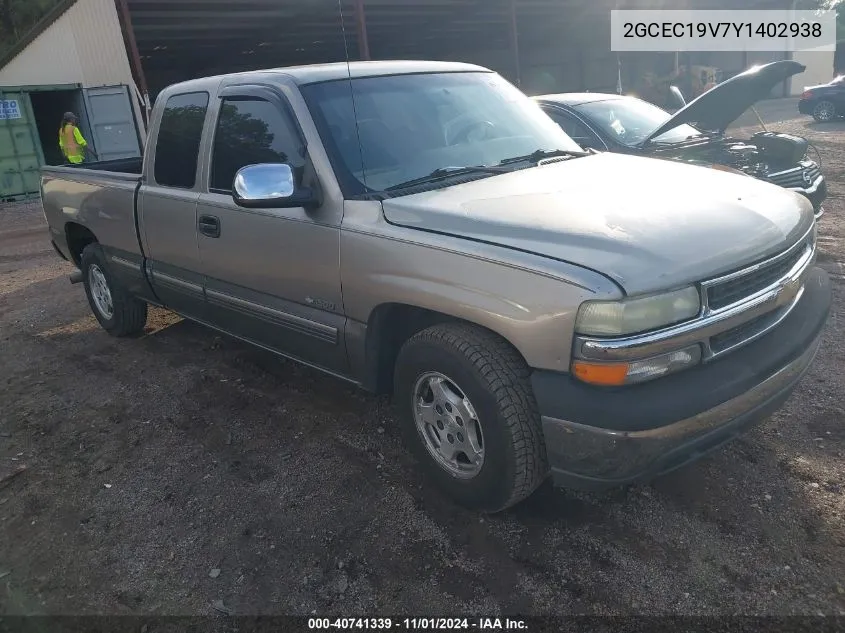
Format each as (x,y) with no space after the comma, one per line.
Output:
(9,109)
(740,30)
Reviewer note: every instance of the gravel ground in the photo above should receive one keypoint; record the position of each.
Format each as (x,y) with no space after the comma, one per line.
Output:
(183,470)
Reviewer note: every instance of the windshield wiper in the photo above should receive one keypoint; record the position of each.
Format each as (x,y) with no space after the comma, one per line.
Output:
(445,172)
(691,137)
(540,154)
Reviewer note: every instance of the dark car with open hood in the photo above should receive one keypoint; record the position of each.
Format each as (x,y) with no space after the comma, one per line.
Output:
(697,132)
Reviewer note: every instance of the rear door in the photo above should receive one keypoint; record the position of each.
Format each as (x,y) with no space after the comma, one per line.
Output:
(167,204)
(20,151)
(112,121)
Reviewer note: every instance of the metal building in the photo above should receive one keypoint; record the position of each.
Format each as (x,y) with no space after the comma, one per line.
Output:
(75,61)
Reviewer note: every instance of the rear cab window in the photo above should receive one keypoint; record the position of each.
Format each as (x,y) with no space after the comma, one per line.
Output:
(179,138)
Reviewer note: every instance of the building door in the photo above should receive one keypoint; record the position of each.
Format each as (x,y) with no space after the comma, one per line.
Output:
(20,152)
(112,120)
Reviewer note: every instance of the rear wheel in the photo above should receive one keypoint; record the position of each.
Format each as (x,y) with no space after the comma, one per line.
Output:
(469,416)
(824,111)
(120,313)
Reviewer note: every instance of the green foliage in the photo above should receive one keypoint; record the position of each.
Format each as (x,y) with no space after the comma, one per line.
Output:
(18,16)
(827,5)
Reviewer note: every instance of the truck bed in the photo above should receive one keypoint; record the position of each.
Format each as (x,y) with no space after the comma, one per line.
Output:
(99,197)
(118,166)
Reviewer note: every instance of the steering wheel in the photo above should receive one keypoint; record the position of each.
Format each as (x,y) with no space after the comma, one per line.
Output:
(464,132)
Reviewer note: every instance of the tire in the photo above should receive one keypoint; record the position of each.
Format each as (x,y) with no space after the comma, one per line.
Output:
(824,111)
(128,315)
(494,379)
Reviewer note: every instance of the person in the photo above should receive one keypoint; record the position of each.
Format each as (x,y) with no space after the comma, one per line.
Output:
(71,141)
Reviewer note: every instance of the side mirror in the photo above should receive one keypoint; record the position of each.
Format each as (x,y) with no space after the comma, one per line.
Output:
(270,185)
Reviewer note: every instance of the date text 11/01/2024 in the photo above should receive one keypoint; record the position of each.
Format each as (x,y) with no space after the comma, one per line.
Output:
(415,624)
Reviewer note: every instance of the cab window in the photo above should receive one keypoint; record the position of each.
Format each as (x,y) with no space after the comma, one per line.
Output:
(250,132)
(178,143)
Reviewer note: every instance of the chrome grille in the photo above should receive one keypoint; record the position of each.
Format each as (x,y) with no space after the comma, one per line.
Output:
(739,307)
(729,292)
(794,178)
(742,333)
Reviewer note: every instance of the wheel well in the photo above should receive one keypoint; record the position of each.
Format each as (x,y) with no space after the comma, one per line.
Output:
(389,326)
(78,237)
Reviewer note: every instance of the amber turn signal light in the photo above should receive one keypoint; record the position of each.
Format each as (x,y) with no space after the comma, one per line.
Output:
(617,374)
(601,373)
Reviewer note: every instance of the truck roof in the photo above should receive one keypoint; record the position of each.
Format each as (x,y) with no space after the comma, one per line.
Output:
(315,73)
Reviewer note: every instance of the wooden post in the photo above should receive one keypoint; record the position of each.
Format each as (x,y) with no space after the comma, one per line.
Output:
(361,21)
(135,56)
(515,44)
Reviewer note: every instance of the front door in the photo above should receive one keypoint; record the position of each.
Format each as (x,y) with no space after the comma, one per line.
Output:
(272,275)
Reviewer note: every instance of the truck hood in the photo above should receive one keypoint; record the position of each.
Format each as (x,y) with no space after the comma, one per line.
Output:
(647,224)
(720,106)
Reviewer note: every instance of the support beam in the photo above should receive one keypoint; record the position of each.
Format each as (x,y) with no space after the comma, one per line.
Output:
(361,22)
(135,56)
(515,44)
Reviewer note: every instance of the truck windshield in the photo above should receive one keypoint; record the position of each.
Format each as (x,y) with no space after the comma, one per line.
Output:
(412,126)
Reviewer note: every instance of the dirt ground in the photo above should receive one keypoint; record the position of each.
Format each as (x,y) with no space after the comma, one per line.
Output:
(185,472)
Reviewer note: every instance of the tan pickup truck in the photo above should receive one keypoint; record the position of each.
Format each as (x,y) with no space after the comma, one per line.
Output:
(424,228)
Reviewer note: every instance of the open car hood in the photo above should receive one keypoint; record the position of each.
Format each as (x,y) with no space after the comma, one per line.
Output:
(720,106)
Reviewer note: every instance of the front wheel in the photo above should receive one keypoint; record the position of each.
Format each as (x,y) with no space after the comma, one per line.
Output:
(120,313)
(469,416)
(824,111)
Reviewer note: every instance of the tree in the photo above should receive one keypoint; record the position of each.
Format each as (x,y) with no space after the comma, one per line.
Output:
(827,5)
(18,16)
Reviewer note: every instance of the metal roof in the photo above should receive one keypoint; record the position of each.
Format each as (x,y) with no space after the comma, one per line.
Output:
(207,32)
(196,35)
(204,32)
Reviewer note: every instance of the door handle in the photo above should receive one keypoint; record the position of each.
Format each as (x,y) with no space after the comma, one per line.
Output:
(209,225)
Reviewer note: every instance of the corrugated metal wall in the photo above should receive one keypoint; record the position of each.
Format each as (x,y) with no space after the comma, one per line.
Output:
(84,46)
(819,69)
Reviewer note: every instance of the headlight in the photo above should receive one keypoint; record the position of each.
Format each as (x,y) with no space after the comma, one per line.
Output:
(640,314)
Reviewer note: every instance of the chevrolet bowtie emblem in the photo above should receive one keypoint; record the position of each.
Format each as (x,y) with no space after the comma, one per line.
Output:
(788,292)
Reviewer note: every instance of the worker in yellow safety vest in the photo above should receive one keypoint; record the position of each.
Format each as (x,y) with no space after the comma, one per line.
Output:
(71,141)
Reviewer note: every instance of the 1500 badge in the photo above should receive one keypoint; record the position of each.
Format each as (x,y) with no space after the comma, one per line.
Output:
(320,303)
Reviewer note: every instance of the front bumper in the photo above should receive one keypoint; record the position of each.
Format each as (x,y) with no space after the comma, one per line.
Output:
(598,438)
(816,194)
